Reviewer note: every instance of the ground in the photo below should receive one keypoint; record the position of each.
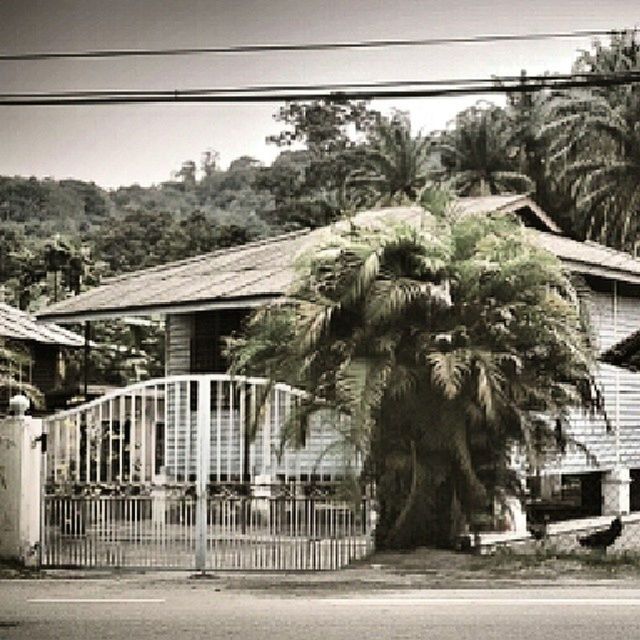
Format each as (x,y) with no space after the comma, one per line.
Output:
(422,568)
(420,594)
(179,607)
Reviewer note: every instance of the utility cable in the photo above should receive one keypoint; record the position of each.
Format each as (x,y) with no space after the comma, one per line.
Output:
(319,46)
(328,92)
(526,80)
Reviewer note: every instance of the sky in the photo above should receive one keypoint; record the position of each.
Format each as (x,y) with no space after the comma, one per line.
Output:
(119,145)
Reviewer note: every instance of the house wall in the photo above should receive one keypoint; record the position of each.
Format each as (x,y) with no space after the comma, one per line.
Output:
(614,311)
(320,457)
(195,340)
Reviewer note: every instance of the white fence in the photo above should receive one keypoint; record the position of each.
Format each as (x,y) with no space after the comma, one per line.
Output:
(241,532)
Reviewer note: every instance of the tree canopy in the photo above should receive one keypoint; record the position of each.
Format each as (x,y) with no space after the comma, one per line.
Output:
(444,343)
(594,145)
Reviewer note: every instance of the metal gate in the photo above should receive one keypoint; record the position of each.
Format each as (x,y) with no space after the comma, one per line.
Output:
(163,474)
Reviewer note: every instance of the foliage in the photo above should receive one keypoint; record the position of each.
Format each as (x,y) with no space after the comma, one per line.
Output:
(310,184)
(48,206)
(476,156)
(395,165)
(443,344)
(594,146)
(126,352)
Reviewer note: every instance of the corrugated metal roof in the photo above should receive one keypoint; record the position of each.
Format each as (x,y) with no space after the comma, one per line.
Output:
(19,325)
(507,204)
(256,271)
(251,274)
(592,258)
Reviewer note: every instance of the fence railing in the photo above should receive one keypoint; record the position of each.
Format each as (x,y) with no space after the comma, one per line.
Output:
(173,429)
(237,532)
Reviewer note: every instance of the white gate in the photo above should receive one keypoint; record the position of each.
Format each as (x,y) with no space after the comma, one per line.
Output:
(163,474)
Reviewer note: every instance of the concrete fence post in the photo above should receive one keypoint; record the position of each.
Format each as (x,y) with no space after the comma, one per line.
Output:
(20,466)
(616,498)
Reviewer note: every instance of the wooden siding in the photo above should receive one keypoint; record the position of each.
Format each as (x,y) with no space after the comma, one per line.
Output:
(323,457)
(613,318)
(178,354)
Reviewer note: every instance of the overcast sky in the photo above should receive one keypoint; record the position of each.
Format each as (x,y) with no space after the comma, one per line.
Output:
(115,145)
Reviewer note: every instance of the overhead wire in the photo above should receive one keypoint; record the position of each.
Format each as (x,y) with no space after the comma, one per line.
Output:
(330,92)
(318,87)
(301,47)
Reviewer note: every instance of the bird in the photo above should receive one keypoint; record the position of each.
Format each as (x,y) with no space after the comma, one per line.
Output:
(604,538)
(538,530)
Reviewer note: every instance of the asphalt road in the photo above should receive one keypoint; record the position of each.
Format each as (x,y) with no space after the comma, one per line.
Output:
(184,610)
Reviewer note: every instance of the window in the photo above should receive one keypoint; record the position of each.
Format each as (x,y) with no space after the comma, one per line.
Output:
(207,344)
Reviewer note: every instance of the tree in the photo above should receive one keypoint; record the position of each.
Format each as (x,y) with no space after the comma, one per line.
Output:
(476,156)
(443,344)
(395,164)
(526,114)
(309,184)
(595,146)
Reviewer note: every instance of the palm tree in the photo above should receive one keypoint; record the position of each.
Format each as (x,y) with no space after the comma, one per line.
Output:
(478,156)
(443,345)
(594,146)
(395,165)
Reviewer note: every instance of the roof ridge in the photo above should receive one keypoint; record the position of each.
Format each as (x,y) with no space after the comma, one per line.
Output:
(204,256)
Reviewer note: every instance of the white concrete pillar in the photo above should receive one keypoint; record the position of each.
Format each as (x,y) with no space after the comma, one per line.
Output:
(20,484)
(616,498)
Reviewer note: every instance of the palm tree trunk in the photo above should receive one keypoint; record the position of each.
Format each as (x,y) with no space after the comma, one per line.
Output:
(411,498)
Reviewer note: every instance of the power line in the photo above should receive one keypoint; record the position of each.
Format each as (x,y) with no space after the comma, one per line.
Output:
(272,88)
(319,46)
(315,87)
(393,89)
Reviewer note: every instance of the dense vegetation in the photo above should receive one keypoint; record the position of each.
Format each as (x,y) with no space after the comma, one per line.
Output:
(576,152)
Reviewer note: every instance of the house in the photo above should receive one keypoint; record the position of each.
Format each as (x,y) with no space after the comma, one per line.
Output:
(206,297)
(46,348)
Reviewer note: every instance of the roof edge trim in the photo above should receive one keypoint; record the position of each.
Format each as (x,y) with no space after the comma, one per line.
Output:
(161,309)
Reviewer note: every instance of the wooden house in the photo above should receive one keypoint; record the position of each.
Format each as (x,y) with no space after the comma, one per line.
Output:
(45,348)
(206,297)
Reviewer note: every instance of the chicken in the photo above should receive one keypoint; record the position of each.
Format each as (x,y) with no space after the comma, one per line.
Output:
(603,539)
(538,530)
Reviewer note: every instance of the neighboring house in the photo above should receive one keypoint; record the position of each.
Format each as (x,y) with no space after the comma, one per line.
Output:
(46,347)
(206,298)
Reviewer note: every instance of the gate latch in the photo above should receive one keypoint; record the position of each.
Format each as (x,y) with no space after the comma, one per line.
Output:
(42,439)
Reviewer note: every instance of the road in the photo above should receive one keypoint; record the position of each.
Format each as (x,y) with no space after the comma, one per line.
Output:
(185,610)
